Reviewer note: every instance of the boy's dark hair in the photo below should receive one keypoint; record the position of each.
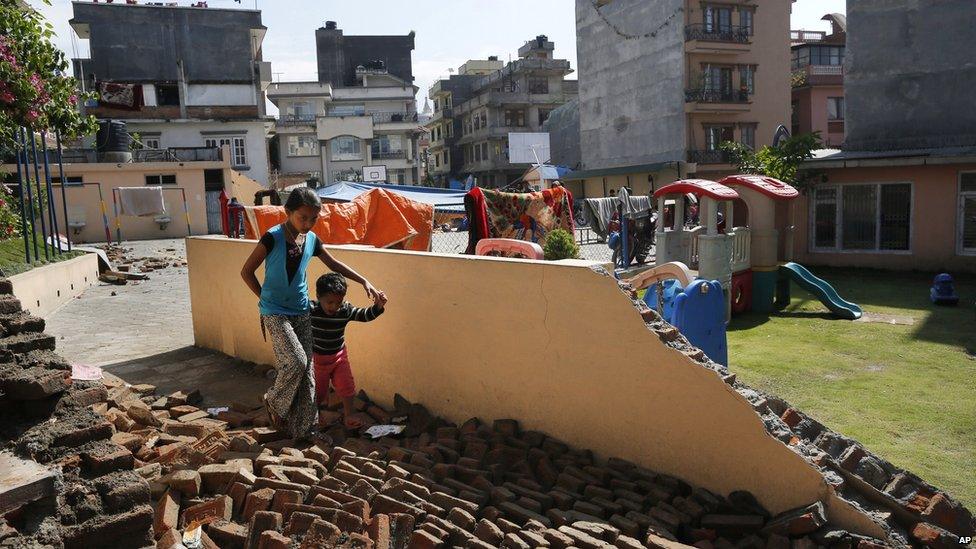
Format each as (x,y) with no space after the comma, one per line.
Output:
(332,283)
(302,196)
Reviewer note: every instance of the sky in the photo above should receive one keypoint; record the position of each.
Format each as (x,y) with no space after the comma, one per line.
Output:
(447,33)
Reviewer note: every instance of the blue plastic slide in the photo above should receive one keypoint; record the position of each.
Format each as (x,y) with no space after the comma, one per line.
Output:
(818,287)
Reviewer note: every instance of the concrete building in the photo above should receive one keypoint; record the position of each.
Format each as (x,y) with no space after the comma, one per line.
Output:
(333,128)
(818,80)
(90,183)
(902,192)
(476,109)
(664,82)
(179,76)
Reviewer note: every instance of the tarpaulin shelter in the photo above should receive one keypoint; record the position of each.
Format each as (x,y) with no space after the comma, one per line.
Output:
(376,217)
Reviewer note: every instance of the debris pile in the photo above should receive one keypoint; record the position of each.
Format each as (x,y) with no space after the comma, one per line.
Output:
(123,258)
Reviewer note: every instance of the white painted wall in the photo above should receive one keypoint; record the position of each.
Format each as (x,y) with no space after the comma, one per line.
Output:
(203,95)
(189,134)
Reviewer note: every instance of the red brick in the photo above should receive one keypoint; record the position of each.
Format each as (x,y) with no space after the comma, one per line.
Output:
(218,508)
(791,418)
(557,539)
(359,509)
(186,481)
(274,540)
(299,523)
(259,500)
(132,529)
(488,532)
(851,457)
(169,539)
(108,459)
(281,497)
(385,504)
(947,514)
(167,513)
(228,535)
(321,534)
(379,531)
(421,539)
(260,522)
(238,493)
(933,536)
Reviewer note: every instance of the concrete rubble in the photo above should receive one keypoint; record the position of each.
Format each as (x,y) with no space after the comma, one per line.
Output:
(137,469)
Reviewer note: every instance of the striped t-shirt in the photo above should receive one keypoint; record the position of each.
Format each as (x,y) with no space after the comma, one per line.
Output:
(329,332)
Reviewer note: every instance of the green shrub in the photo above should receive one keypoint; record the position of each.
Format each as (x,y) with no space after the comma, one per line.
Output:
(560,244)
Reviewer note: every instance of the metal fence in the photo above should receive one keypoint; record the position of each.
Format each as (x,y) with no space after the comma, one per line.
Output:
(38,221)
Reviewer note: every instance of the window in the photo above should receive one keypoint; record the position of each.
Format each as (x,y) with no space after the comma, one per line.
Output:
(746,21)
(303,145)
(484,151)
(387,144)
(476,121)
(716,135)
(717,79)
(237,144)
(346,148)
(862,217)
(515,118)
(718,19)
(161,179)
(347,110)
(538,85)
(301,110)
(71,180)
(747,79)
(437,161)
(967,213)
(826,55)
(835,108)
(150,142)
(167,95)
(484,118)
(544,115)
(748,135)
(477,153)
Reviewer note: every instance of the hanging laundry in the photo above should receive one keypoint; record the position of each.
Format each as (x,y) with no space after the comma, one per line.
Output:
(598,212)
(142,201)
(127,96)
(522,216)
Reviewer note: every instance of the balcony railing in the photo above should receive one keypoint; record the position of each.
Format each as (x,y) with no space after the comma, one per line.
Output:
(172,154)
(381,117)
(701,95)
(709,157)
(389,155)
(296,120)
(711,33)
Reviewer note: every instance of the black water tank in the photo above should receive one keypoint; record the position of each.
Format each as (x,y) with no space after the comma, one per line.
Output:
(112,136)
(331,25)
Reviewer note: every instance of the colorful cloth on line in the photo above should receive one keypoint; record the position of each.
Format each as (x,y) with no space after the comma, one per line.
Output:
(128,96)
(527,216)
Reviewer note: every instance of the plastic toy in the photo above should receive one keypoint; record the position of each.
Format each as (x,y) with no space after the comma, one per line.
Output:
(942,291)
(699,313)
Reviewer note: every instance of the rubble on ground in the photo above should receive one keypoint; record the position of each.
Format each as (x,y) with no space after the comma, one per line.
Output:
(137,469)
(127,263)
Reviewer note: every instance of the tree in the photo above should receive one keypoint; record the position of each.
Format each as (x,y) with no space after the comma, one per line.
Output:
(35,91)
(782,161)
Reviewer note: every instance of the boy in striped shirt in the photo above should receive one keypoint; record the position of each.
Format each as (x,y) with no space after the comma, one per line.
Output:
(330,315)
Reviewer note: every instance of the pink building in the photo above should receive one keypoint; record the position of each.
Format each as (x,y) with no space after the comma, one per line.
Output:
(818,81)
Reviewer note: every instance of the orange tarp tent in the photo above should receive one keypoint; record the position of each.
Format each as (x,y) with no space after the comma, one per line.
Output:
(376,218)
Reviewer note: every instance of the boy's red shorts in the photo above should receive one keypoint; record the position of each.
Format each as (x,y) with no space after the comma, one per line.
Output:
(335,369)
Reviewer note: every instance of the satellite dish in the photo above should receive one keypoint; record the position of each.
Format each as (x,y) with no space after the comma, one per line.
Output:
(781,134)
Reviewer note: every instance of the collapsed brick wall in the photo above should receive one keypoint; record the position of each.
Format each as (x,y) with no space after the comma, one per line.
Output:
(907,506)
(48,418)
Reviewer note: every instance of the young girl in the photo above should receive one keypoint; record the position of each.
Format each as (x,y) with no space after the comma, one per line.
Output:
(286,251)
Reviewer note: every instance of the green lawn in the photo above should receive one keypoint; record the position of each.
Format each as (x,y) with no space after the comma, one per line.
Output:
(907,392)
(12,260)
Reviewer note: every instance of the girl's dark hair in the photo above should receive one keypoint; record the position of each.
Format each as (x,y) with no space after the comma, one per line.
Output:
(332,283)
(302,196)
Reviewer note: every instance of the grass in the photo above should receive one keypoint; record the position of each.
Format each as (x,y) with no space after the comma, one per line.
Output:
(907,392)
(12,260)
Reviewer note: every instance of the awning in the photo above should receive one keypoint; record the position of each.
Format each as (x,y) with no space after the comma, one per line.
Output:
(443,200)
(698,187)
(765,185)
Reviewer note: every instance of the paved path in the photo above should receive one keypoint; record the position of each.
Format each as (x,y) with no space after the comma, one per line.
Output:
(144,333)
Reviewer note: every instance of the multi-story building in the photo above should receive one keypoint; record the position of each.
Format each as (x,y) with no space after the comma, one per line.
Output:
(901,193)
(476,109)
(179,76)
(818,80)
(663,83)
(444,158)
(361,112)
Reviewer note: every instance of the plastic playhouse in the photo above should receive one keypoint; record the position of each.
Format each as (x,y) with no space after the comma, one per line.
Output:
(744,260)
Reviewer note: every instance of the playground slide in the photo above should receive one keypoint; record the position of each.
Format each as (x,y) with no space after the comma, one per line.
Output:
(820,288)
